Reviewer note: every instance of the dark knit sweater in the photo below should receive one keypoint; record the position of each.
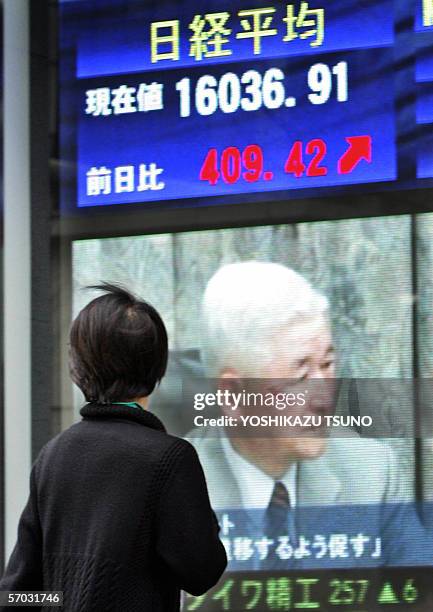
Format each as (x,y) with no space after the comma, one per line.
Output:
(118,517)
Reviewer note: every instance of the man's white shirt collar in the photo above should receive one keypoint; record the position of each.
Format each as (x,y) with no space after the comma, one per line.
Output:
(254,485)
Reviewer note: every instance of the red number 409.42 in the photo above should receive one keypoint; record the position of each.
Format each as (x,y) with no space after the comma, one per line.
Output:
(248,164)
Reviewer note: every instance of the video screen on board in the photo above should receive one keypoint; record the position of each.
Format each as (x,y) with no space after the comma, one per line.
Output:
(292,357)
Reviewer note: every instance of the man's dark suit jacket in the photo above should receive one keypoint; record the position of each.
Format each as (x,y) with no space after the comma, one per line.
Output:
(118,517)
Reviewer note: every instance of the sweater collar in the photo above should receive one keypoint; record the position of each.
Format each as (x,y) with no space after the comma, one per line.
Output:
(131,413)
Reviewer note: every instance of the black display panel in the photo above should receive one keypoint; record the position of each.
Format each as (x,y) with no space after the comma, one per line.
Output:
(291,111)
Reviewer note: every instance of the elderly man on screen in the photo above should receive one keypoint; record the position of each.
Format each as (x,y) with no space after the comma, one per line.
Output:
(305,499)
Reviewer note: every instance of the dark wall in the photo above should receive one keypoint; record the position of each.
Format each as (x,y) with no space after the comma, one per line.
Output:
(40,121)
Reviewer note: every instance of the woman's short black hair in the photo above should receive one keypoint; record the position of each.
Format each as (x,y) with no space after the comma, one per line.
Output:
(118,347)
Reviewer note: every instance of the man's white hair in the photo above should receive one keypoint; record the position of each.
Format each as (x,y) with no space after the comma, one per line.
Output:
(244,306)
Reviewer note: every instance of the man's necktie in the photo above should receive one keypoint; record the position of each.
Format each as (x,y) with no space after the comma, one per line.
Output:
(276,525)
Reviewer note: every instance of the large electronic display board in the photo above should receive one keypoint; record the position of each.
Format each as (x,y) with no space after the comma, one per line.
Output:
(354,539)
(211,101)
(181,103)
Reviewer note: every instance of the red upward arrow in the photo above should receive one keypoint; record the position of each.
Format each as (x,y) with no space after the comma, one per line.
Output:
(359,148)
